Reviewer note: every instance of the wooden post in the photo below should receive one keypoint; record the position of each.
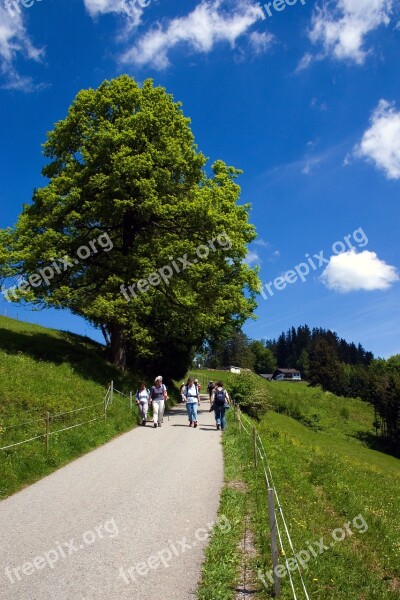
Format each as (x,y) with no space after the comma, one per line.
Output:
(112,393)
(47,431)
(240,420)
(255,445)
(130,399)
(105,406)
(274,544)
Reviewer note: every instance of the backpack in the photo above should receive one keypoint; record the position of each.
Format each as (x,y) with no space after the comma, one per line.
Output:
(187,389)
(219,397)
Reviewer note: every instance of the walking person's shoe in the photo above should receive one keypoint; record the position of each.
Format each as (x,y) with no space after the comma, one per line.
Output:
(218,426)
(195,424)
(159,424)
(155,425)
(190,423)
(144,422)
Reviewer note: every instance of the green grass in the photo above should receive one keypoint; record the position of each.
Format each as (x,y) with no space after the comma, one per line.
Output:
(223,556)
(326,475)
(46,370)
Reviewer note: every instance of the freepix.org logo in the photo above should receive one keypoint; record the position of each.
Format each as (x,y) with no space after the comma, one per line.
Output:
(13,6)
(269,8)
(313,263)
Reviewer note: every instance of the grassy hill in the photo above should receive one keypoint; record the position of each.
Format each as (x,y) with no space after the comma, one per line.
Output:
(43,370)
(326,474)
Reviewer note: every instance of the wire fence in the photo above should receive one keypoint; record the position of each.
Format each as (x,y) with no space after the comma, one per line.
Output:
(49,419)
(278,523)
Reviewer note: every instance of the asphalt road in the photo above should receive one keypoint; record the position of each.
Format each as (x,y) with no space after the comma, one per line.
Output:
(128,520)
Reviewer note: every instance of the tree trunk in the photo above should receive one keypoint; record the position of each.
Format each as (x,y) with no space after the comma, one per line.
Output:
(106,335)
(118,346)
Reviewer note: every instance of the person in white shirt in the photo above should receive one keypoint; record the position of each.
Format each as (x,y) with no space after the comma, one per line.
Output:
(158,396)
(191,393)
(142,400)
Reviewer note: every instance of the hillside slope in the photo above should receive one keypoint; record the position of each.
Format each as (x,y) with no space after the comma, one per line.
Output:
(44,370)
(319,449)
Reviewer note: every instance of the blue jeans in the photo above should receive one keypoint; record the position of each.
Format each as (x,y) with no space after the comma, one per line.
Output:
(220,418)
(191,408)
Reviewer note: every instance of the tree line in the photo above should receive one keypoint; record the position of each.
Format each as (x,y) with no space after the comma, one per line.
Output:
(325,360)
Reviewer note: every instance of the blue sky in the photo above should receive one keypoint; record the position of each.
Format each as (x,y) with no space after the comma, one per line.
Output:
(306,101)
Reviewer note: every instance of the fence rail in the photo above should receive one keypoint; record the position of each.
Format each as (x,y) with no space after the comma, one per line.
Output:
(47,419)
(274,506)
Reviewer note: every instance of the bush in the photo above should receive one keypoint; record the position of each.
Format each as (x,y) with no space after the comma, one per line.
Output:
(244,391)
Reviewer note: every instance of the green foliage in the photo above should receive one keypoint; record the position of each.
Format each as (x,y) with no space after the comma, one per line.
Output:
(264,359)
(231,347)
(123,164)
(292,348)
(304,364)
(383,392)
(325,369)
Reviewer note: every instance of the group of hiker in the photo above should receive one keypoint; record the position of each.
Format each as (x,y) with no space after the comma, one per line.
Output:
(155,397)
(190,393)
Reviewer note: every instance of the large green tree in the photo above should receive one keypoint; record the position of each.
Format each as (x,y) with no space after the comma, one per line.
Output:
(123,166)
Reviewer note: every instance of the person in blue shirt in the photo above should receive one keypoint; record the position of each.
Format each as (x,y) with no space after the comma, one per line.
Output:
(158,396)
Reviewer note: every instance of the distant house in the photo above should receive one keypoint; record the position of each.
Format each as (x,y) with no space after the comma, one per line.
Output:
(286,375)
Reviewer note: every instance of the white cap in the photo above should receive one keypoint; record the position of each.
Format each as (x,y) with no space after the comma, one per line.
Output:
(159,378)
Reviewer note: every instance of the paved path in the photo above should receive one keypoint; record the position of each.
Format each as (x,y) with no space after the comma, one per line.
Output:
(139,503)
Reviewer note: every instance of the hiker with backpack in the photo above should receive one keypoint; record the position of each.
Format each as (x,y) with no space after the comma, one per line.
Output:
(191,393)
(158,396)
(142,400)
(219,404)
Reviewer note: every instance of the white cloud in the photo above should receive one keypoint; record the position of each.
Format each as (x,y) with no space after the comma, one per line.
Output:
(200,30)
(252,258)
(15,42)
(261,242)
(342,27)
(352,271)
(102,7)
(381,142)
(127,8)
(305,62)
(261,42)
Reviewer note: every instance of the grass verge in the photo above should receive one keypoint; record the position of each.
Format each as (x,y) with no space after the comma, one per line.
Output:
(223,565)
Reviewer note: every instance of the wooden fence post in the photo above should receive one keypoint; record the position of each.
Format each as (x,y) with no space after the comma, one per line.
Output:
(274,544)
(130,399)
(112,392)
(255,445)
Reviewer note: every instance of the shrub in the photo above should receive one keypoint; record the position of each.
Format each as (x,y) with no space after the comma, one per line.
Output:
(245,392)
